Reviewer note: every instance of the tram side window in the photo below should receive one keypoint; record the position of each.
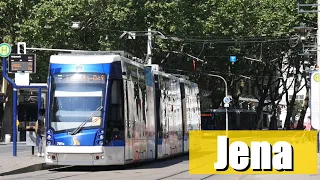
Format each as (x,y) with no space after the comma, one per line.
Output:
(243,121)
(247,121)
(220,121)
(115,120)
(207,123)
(255,119)
(232,123)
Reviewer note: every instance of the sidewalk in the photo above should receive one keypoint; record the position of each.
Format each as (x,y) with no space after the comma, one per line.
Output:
(24,161)
(21,142)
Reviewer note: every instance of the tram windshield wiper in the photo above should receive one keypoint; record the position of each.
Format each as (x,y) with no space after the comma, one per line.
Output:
(76,131)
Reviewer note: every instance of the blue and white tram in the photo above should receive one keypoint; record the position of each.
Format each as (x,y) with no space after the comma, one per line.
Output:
(191,109)
(110,110)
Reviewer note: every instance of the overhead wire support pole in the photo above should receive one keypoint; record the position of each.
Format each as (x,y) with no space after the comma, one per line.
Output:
(226,94)
(318,26)
(149,47)
(150,33)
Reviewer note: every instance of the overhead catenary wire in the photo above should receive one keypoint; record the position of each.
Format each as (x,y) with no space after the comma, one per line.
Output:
(226,73)
(213,39)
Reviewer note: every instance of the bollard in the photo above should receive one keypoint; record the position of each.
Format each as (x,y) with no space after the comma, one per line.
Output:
(18,134)
(7,138)
(31,138)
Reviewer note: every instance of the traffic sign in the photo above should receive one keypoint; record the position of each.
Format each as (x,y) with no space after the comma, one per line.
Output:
(5,50)
(233,59)
(226,100)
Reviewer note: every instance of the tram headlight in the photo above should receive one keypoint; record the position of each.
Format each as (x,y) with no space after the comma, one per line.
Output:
(48,143)
(99,138)
(49,137)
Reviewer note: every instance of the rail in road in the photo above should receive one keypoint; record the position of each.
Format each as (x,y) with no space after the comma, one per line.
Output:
(174,169)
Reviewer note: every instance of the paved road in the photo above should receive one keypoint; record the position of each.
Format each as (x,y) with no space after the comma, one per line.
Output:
(174,169)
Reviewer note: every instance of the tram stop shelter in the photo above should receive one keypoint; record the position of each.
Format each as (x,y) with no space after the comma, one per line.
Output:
(30,100)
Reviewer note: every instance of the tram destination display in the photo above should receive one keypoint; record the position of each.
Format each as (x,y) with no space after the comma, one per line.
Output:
(25,63)
(82,77)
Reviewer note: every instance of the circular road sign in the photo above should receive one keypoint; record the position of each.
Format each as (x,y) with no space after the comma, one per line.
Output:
(226,100)
(5,50)
(316,77)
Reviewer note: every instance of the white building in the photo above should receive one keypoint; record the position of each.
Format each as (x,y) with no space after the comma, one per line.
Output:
(299,97)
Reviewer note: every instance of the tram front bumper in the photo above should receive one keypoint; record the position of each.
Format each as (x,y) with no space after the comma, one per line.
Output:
(75,155)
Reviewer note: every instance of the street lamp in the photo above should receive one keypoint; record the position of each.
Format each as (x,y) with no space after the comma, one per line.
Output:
(303,31)
(226,95)
(75,25)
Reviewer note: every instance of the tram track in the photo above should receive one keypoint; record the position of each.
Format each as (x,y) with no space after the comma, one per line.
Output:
(167,166)
(182,175)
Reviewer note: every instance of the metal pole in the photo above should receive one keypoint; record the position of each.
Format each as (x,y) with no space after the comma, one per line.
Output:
(39,107)
(14,114)
(226,94)
(39,101)
(318,34)
(149,44)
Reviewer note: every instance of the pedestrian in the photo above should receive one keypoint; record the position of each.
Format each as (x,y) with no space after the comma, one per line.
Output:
(40,131)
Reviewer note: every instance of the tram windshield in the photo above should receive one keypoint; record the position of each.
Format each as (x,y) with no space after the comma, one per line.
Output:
(74,98)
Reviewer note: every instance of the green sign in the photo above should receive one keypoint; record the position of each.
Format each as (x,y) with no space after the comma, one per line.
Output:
(5,50)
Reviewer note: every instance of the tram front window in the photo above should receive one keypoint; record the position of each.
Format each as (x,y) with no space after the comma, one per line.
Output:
(75,98)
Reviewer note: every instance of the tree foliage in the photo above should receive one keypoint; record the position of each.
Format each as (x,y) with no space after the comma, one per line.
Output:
(208,29)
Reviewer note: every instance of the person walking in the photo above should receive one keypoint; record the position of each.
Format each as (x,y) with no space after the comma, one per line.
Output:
(40,131)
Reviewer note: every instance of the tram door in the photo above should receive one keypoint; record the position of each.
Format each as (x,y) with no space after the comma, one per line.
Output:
(129,118)
(164,121)
(167,121)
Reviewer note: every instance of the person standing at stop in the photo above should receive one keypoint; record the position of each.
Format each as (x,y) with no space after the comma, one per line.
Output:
(40,131)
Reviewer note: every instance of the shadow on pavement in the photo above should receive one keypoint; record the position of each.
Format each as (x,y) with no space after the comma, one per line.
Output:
(142,165)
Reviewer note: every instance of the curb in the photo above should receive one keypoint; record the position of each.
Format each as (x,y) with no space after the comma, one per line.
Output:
(32,168)
(3,143)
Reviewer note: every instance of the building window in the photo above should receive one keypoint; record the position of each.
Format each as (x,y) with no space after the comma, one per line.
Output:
(300,97)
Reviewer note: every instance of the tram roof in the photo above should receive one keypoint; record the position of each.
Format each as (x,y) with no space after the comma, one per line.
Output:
(229,110)
(92,57)
(98,57)
(83,59)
